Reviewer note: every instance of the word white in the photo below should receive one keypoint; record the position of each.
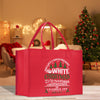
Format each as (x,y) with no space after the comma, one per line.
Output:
(58,71)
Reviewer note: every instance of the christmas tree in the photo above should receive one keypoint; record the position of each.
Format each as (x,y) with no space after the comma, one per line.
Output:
(87,36)
(55,65)
(50,66)
(64,65)
(60,65)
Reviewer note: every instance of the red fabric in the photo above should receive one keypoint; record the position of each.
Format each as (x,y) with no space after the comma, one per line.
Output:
(47,43)
(32,69)
(60,42)
(8,47)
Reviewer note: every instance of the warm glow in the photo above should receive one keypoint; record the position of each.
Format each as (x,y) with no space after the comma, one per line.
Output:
(6,25)
(4,32)
(37,22)
(26,29)
(47,27)
(60,26)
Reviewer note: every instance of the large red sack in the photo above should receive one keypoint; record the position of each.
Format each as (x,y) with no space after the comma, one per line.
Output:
(41,72)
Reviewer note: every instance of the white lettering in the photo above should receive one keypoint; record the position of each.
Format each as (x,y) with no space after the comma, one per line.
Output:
(58,71)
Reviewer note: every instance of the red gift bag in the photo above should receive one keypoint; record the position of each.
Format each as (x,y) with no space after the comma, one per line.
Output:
(41,72)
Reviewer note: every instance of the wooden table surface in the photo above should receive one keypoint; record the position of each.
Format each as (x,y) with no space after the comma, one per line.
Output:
(89,93)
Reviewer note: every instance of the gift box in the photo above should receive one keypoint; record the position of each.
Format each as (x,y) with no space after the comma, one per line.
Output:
(95,65)
(86,66)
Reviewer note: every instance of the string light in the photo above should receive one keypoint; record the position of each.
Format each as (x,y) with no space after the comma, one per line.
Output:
(5,30)
(6,25)
(60,26)
(26,29)
(37,22)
